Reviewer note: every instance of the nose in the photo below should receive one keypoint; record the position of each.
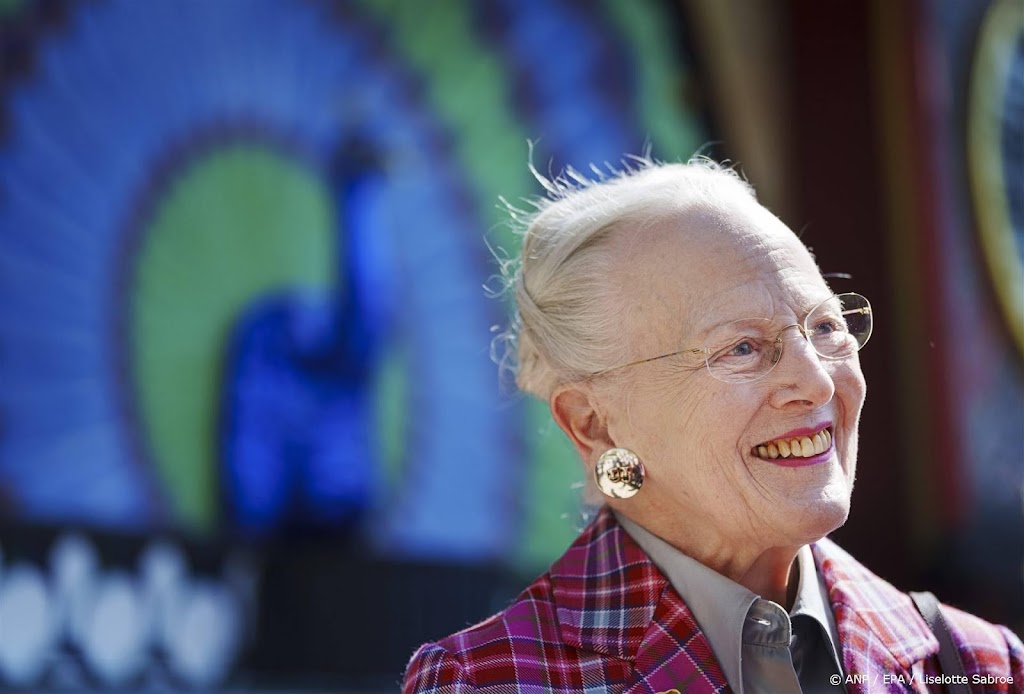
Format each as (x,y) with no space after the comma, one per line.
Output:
(800,377)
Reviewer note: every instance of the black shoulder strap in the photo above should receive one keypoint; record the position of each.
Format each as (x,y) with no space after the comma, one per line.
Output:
(949,656)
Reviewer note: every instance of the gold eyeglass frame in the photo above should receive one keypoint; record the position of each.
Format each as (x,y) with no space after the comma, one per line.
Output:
(802,327)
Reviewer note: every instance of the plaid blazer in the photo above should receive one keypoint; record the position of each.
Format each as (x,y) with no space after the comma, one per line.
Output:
(605,619)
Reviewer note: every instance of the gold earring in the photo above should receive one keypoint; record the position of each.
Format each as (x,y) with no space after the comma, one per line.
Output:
(619,473)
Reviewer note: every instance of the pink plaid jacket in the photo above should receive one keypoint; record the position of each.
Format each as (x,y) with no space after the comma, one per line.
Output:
(605,619)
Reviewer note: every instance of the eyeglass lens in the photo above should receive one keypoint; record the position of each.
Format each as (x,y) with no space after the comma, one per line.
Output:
(835,328)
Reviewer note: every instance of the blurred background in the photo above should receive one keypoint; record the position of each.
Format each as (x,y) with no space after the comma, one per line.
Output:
(251,438)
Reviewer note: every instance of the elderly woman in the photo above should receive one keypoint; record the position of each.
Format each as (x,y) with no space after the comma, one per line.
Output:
(709,379)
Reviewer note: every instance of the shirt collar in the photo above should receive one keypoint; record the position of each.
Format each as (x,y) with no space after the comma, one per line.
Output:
(812,600)
(720,605)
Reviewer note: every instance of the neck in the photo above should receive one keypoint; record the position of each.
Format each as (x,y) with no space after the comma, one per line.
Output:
(774,575)
(770,572)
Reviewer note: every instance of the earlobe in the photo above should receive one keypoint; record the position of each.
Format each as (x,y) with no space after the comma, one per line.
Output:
(577,414)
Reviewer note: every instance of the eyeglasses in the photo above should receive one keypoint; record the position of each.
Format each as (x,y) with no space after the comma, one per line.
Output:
(836,328)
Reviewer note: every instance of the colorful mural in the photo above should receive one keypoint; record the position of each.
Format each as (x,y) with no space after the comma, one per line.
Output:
(242,246)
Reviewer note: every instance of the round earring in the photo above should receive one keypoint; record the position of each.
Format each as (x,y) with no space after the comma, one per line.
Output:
(619,473)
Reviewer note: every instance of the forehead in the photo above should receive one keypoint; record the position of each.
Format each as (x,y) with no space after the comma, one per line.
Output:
(713,265)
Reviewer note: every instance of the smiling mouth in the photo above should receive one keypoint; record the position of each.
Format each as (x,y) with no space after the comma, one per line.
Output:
(795,447)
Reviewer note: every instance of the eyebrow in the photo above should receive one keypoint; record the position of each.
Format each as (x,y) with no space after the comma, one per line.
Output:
(707,311)
(739,323)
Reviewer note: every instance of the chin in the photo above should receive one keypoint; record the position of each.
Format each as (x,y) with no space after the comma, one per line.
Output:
(831,518)
(822,516)
(811,516)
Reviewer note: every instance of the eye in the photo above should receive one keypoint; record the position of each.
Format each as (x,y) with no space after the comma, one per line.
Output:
(827,326)
(742,349)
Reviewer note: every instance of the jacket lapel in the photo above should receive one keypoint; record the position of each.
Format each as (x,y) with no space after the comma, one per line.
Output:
(881,633)
(611,599)
(675,654)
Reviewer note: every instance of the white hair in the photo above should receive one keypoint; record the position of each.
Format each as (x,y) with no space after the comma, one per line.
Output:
(567,325)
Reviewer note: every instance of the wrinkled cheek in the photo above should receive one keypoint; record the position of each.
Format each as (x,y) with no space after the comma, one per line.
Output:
(852,400)
(850,462)
(860,390)
(851,465)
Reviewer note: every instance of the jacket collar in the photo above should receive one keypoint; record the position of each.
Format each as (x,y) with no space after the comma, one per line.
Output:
(879,627)
(606,590)
(611,599)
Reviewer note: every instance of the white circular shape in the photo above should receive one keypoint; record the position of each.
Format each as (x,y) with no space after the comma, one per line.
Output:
(73,560)
(74,566)
(28,632)
(162,566)
(164,575)
(114,639)
(208,635)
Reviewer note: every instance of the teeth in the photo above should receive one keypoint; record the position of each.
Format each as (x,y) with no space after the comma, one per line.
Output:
(801,447)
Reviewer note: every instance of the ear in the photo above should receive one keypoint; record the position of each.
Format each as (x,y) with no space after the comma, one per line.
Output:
(577,412)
